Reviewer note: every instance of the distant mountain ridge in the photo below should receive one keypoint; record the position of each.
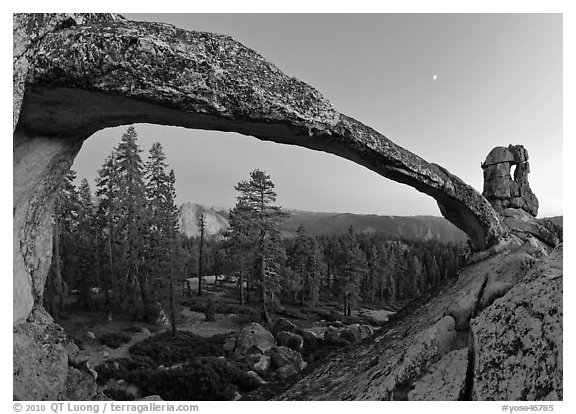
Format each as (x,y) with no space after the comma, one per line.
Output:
(411,227)
(320,223)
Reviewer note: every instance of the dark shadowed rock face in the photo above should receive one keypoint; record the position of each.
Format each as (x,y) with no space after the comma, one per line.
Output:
(77,73)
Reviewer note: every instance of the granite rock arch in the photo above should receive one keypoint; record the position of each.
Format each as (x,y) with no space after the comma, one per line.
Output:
(77,73)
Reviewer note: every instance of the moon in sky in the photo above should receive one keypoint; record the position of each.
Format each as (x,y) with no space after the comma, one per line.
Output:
(435,77)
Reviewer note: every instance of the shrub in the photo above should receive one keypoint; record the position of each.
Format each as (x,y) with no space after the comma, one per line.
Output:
(210,311)
(114,339)
(165,349)
(350,335)
(118,394)
(247,317)
(133,329)
(202,379)
(294,314)
(114,369)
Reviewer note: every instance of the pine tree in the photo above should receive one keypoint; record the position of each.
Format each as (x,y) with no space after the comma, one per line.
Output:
(133,219)
(107,190)
(171,227)
(412,277)
(85,243)
(316,268)
(239,241)
(256,219)
(65,223)
(300,255)
(202,226)
(352,273)
(156,230)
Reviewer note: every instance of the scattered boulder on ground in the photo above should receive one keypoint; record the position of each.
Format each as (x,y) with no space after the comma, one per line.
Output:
(311,340)
(263,364)
(283,325)
(229,344)
(332,337)
(366,331)
(257,379)
(80,385)
(90,335)
(254,338)
(151,398)
(282,356)
(290,340)
(352,333)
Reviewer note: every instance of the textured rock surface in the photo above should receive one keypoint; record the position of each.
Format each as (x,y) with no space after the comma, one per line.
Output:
(188,214)
(282,356)
(500,188)
(445,381)
(263,364)
(523,225)
(254,338)
(40,360)
(290,340)
(517,342)
(283,325)
(80,385)
(481,283)
(510,345)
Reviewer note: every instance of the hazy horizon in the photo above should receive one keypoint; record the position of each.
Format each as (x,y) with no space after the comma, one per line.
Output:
(448,87)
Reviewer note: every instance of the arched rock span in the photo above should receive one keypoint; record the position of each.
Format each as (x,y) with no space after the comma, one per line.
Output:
(76,74)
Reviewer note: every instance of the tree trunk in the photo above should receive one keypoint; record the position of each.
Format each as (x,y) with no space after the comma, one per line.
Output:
(58,270)
(241,282)
(97,261)
(112,278)
(172,309)
(302,292)
(144,296)
(328,279)
(200,255)
(265,316)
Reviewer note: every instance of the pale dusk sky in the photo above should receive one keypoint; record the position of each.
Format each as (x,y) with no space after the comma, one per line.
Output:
(448,87)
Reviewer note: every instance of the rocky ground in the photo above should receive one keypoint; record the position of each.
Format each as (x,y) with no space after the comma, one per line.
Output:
(496,334)
(233,356)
